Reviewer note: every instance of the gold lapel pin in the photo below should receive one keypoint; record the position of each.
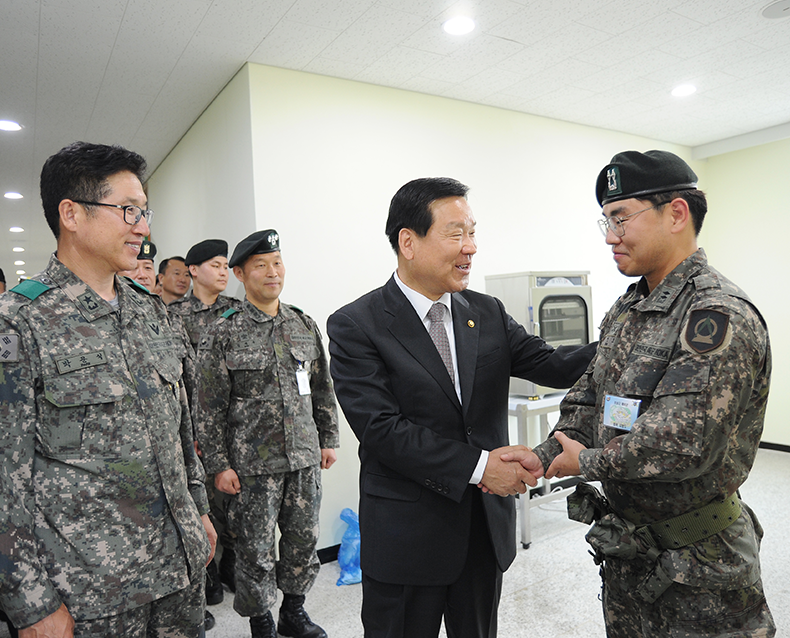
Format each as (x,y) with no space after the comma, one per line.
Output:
(470,323)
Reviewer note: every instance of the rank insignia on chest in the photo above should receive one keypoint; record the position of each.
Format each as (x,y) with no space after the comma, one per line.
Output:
(706,330)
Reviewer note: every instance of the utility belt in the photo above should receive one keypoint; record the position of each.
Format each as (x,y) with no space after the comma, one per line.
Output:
(613,536)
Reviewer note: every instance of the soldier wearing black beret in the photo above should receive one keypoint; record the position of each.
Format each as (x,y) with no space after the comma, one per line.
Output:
(145,273)
(668,418)
(266,423)
(208,267)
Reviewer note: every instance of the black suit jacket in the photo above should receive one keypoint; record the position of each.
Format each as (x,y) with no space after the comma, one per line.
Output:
(418,445)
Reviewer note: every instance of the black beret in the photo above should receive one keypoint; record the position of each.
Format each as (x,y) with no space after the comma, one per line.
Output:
(205,250)
(259,243)
(634,174)
(147,250)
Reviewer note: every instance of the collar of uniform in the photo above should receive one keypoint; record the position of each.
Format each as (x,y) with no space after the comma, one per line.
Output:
(284,313)
(87,300)
(664,295)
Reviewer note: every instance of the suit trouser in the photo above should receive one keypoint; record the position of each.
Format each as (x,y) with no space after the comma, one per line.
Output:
(469,605)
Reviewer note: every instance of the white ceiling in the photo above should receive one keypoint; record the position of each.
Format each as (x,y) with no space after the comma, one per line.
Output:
(139,72)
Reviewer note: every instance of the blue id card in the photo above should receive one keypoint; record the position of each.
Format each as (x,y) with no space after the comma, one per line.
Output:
(619,412)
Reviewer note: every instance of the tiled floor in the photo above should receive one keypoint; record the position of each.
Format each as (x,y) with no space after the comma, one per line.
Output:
(551,590)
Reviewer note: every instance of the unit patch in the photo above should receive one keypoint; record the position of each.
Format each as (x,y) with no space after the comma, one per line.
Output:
(9,347)
(706,330)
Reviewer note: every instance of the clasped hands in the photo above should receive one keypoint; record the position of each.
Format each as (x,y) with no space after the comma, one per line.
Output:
(512,468)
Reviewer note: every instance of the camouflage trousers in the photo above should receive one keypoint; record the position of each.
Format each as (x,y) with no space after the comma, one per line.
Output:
(289,501)
(681,611)
(178,615)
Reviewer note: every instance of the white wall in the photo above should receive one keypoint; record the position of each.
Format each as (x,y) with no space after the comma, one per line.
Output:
(204,187)
(746,234)
(327,156)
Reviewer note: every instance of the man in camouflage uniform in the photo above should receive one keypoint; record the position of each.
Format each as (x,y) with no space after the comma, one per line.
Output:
(104,529)
(668,418)
(267,423)
(208,266)
(144,273)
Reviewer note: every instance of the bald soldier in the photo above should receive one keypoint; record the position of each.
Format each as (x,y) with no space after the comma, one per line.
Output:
(668,418)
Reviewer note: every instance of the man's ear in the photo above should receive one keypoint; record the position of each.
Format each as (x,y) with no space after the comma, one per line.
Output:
(239,272)
(67,210)
(681,215)
(406,243)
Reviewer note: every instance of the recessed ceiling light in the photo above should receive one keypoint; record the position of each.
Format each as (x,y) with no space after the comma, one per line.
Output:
(780,9)
(16,229)
(13,195)
(19,262)
(459,25)
(18,249)
(684,90)
(20,272)
(8,125)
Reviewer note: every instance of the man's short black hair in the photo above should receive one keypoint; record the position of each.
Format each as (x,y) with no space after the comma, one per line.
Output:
(163,264)
(80,171)
(411,206)
(696,200)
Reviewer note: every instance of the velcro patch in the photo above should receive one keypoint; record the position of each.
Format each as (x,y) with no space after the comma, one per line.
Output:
(9,347)
(706,330)
(80,361)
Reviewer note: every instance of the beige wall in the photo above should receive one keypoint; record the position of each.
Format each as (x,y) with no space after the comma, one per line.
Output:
(327,156)
(746,235)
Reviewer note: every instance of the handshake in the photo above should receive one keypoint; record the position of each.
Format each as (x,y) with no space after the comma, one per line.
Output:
(512,468)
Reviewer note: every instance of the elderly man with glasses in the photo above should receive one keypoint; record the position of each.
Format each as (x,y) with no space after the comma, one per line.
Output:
(104,529)
(668,418)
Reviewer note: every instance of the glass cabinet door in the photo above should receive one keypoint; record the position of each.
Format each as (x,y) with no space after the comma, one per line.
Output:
(563,320)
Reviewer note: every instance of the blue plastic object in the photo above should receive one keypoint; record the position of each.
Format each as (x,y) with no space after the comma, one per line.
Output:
(348,555)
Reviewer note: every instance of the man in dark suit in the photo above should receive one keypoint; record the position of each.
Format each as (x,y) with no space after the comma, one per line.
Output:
(433,544)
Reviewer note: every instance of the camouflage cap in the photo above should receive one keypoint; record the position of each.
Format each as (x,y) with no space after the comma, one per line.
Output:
(259,243)
(634,174)
(147,250)
(205,250)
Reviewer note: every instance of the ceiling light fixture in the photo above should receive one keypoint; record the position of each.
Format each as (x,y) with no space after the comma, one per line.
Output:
(684,90)
(459,25)
(13,195)
(780,9)
(16,229)
(20,272)
(18,249)
(19,262)
(8,125)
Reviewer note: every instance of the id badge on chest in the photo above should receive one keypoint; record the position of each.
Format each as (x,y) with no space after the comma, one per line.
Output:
(302,380)
(619,412)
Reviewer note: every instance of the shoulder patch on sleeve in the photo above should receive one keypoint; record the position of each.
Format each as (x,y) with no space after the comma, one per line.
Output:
(30,288)
(706,330)
(9,347)
(229,312)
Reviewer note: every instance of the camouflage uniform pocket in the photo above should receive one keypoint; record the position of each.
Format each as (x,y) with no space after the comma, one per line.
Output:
(75,401)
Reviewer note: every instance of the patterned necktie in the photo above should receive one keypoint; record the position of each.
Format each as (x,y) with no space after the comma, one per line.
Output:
(439,336)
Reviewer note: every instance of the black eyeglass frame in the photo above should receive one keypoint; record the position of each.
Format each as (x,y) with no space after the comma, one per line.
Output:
(147,213)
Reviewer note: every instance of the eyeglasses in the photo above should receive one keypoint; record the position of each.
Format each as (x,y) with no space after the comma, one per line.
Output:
(135,213)
(615,224)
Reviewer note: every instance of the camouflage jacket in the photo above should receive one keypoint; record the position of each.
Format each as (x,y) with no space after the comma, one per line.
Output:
(695,352)
(98,464)
(197,316)
(248,412)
